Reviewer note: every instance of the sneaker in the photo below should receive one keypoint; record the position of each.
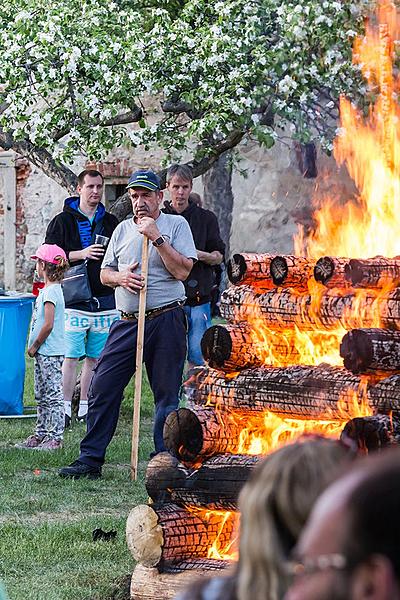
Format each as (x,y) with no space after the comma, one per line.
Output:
(79,469)
(33,441)
(81,419)
(50,445)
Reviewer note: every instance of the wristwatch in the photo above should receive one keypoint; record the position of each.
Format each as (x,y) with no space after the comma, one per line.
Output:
(159,241)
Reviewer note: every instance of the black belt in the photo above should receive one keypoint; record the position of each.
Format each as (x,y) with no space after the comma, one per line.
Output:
(153,312)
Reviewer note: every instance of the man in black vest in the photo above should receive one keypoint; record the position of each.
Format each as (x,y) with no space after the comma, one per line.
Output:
(210,252)
(86,324)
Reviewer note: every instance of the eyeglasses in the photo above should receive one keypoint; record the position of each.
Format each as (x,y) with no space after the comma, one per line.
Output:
(309,566)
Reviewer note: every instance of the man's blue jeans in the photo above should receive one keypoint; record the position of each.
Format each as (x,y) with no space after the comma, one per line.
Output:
(199,319)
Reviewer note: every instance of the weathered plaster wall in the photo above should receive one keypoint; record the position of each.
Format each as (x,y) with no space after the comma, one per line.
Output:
(267,203)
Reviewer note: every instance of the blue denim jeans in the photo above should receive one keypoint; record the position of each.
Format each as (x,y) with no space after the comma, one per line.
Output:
(199,319)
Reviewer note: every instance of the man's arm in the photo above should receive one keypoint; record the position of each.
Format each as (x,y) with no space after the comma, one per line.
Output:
(210,258)
(178,265)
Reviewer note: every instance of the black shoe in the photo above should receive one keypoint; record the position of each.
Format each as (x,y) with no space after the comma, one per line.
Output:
(79,469)
(82,419)
(67,421)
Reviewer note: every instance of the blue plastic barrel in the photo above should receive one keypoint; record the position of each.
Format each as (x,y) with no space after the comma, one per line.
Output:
(15,315)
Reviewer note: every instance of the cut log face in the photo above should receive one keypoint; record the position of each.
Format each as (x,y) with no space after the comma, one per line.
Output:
(371,350)
(284,309)
(372,433)
(180,534)
(250,269)
(216,484)
(189,435)
(291,271)
(233,347)
(330,271)
(299,392)
(378,272)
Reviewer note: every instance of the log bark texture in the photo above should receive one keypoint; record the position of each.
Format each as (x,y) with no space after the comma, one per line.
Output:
(189,435)
(385,395)
(378,272)
(216,484)
(330,271)
(365,350)
(298,392)
(292,271)
(233,347)
(160,536)
(372,433)
(284,308)
(247,268)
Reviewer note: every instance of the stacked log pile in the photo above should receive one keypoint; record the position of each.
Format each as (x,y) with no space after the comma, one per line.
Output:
(194,487)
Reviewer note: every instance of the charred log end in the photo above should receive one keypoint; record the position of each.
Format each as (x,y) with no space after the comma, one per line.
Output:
(356,351)
(183,434)
(163,473)
(324,269)
(369,433)
(278,270)
(144,535)
(216,346)
(236,268)
(353,271)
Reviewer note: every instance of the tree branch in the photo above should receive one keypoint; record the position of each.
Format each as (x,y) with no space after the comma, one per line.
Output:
(42,159)
(132,116)
(122,207)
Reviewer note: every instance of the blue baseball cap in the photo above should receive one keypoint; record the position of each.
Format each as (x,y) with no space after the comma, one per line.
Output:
(144,179)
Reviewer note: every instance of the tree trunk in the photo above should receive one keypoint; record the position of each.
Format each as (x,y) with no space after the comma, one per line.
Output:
(323,392)
(218,195)
(161,536)
(378,272)
(284,308)
(371,350)
(215,484)
(233,347)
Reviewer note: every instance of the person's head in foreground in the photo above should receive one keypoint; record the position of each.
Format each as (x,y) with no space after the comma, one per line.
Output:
(275,504)
(350,548)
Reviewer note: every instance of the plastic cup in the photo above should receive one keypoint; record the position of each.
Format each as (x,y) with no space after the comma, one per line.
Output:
(101,239)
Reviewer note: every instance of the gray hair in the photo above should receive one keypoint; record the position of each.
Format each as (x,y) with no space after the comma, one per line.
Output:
(182,171)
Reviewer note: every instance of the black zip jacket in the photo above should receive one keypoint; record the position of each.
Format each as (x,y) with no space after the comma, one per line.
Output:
(205,230)
(64,230)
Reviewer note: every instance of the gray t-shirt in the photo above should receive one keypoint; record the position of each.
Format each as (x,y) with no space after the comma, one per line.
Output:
(125,248)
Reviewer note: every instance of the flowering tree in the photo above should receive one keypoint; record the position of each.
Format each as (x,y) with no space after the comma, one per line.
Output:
(89,75)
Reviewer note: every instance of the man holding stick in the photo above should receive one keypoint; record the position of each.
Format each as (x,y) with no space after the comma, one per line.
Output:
(171,256)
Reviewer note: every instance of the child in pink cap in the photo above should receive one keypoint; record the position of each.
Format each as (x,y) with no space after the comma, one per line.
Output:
(46,345)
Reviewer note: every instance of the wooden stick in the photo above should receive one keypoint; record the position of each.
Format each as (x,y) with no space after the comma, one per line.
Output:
(139,360)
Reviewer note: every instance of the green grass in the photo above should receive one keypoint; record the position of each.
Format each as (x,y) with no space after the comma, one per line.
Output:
(46,523)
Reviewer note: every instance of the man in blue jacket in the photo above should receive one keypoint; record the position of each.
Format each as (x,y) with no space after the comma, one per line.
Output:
(86,323)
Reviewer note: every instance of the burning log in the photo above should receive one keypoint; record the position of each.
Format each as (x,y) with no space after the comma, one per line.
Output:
(298,391)
(372,433)
(378,272)
(284,308)
(215,484)
(188,435)
(250,268)
(291,271)
(386,395)
(238,346)
(159,536)
(371,350)
(330,271)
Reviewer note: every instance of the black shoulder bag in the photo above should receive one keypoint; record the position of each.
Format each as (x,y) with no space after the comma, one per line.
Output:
(75,285)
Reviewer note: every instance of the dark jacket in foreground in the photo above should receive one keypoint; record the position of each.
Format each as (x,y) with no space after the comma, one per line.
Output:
(71,230)
(206,235)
